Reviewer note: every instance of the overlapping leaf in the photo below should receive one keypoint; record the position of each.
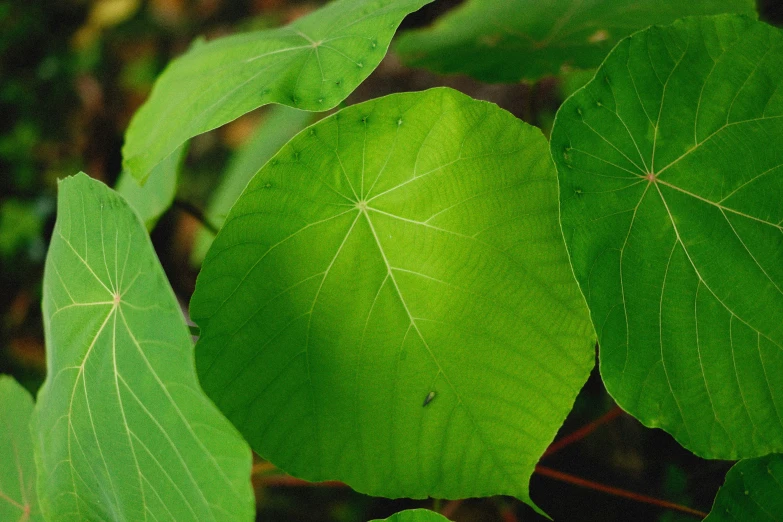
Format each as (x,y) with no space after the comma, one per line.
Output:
(513,40)
(390,302)
(17,469)
(123,430)
(753,491)
(671,182)
(414,515)
(280,124)
(312,64)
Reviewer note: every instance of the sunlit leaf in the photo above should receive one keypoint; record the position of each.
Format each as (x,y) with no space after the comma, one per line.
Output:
(156,196)
(312,64)
(753,491)
(124,431)
(17,468)
(414,515)
(513,40)
(390,302)
(671,182)
(280,124)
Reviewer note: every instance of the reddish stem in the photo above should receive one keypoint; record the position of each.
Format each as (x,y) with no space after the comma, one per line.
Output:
(582,432)
(589,484)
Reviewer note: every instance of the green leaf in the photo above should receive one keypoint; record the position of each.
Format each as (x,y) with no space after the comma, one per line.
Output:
(390,302)
(312,64)
(753,491)
(671,178)
(17,467)
(124,431)
(514,40)
(414,515)
(280,124)
(155,197)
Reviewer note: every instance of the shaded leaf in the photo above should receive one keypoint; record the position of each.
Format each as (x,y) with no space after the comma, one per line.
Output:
(124,431)
(280,124)
(513,40)
(671,178)
(414,515)
(390,302)
(17,468)
(156,196)
(753,491)
(312,64)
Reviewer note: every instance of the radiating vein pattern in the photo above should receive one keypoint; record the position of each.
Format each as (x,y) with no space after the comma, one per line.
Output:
(18,501)
(124,432)
(513,40)
(753,491)
(390,303)
(671,181)
(312,64)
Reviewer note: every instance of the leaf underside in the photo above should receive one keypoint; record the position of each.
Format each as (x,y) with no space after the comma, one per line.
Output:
(671,180)
(123,430)
(18,501)
(390,302)
(753,491)
(312,64)
(513,40)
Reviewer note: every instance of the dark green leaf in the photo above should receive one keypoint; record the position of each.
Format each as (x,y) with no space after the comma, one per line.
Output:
(753,491)
(671,181)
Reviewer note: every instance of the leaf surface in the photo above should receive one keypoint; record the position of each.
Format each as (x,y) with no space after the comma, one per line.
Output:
(514,40)
(124,431)
(414,515)
(17,468)
(312,64)
(390,302)
(753,491)
(671,180)
(280,124)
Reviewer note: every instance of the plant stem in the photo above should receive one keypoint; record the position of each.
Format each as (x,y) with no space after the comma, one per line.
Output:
(582,432)
(589,484)
(196,213)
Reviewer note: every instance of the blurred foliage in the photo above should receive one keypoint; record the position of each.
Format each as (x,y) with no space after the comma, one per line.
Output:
(72,72)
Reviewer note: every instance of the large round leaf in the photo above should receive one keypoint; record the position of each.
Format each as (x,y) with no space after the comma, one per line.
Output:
(390,302)
(671,181)
(312,64)
(753,491)
(123,430)
(18,501)
(513,40)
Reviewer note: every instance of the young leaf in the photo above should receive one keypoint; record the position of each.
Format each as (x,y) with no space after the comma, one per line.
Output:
(312,64)
(155,197)
(753,491)
(280,124)
(513,40)
(17,468)
(671,178)
(414,515)
(123,430)
(390,302)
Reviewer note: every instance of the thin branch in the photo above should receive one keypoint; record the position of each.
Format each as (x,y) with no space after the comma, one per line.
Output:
(582,432)
(192,210)
(617,492)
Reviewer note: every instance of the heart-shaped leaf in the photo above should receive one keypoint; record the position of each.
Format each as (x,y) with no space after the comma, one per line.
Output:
(513,40)
(753,491)
(124,431)
(671,181)
(390,302)
(312,64)
(414,515)
(18,500)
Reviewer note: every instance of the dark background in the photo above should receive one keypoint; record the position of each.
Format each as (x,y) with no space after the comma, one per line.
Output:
(72,73)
